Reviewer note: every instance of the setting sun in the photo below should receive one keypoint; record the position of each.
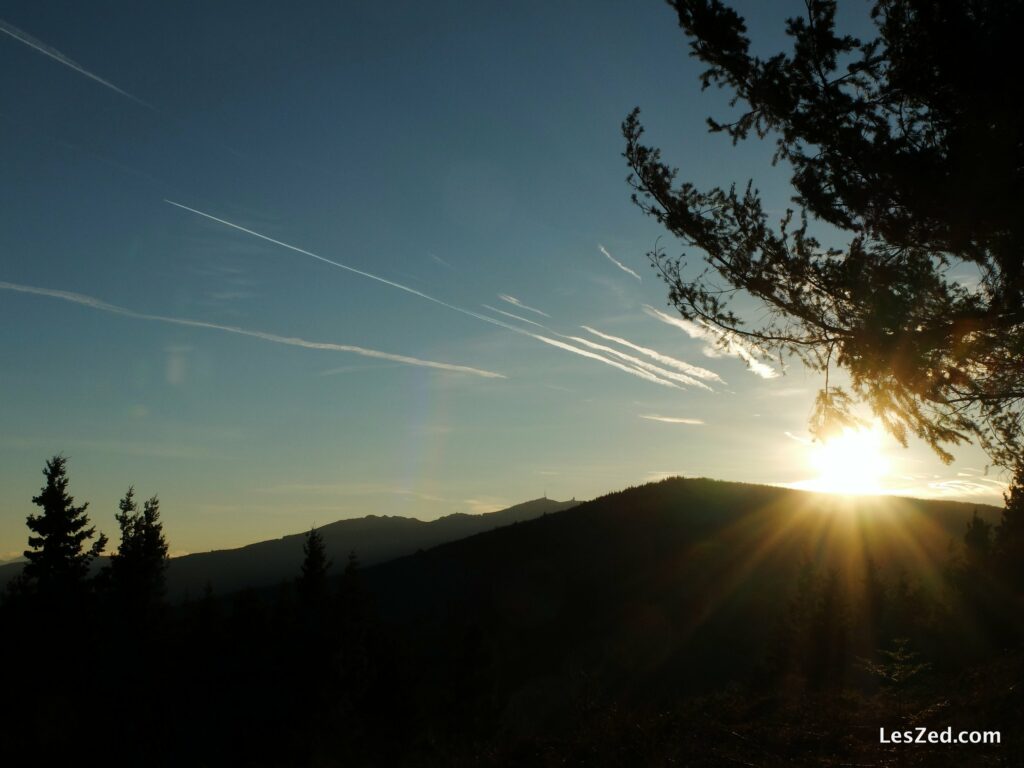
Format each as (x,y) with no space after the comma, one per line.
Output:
(851,462)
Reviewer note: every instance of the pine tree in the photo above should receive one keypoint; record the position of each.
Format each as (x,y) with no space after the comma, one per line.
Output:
(355,626)
(897,669)
(905,144)
(58,561)
(312,580)
(138,567)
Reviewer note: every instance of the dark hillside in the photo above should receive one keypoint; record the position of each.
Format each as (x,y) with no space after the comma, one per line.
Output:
(673,587)
(375,539)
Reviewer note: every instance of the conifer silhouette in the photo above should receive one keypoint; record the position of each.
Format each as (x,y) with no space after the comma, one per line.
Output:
(58,560)
(138,567)
(312,582)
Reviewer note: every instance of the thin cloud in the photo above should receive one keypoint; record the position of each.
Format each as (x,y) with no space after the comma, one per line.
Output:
(517,303)
(633,371)
(679,365)
(345,267)
(958,488)
(509,314)
(316,256)
(638,363)
(89,301)
(787,392)
(733,346)
(53,53)
(671,419)
(617,263)
(799,439)
(941,488)
(594,356)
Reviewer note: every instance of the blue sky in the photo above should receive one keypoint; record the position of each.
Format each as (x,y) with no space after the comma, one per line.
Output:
(464,157)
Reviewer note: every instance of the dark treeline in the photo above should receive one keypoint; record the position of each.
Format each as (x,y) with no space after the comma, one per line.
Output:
(569,640)
(103,666)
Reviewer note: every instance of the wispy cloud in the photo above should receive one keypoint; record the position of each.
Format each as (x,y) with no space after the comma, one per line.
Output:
(733,347)
(785,392)
(89,301)
(317,256)
(616,262)
(517,303)
(671,419)
(959,488)
(509,314)
(985,492)
(594,356)
(671,362)
(632,370)
(641,364)
(346,267)
(53,53)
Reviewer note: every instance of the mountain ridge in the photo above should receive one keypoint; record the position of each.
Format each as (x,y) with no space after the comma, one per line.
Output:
(680,580)
(373,538)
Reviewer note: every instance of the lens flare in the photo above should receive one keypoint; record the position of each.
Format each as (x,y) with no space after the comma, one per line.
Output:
(851,462)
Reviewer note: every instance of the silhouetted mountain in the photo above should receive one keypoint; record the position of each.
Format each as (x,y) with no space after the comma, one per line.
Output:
(374,539)
(689,622)
(654,591)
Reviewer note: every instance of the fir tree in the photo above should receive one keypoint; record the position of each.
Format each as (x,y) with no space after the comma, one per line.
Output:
(58,561)
(138,567)
(312,580)
(897,669)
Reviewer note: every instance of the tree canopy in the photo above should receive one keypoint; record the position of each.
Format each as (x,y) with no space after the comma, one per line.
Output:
(137,569)
(911,146)
(312,581)
(58,560)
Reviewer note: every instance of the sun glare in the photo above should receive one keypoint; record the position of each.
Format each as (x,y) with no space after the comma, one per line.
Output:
(851,462)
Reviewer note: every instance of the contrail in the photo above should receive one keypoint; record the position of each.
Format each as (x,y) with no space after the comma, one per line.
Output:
(733,346)
(594,356)
(517,303)
(94,303)
(642,364)
(53,53)
(493,321)
(679,365)
(509,314)
(631,370)
(672,419)
(618,263)
(318,257)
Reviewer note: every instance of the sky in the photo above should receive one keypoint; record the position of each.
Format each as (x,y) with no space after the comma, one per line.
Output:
(284,264)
